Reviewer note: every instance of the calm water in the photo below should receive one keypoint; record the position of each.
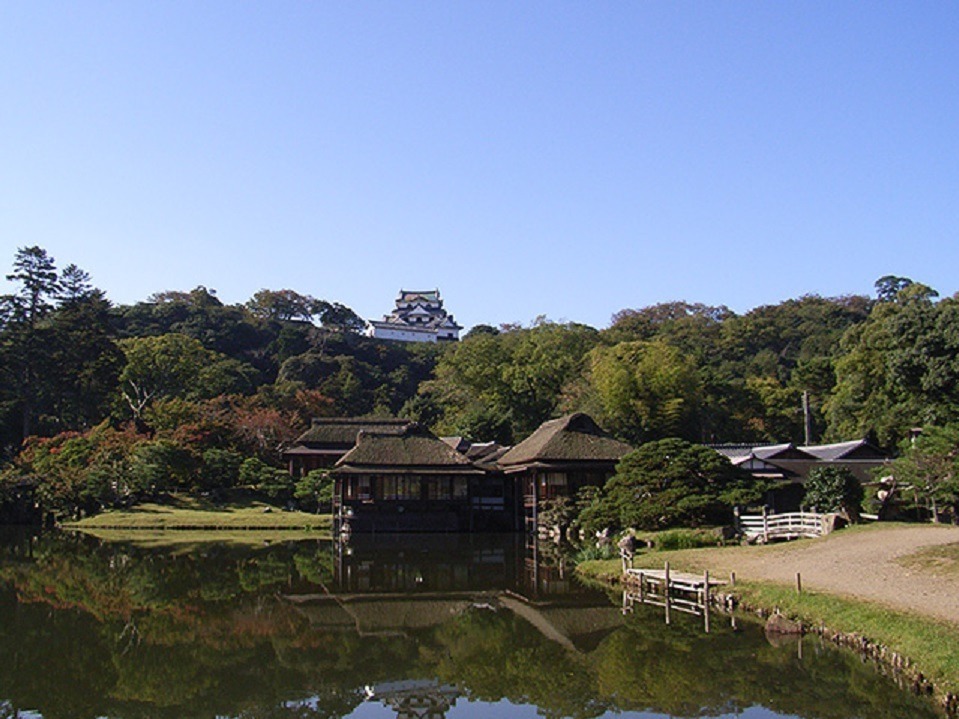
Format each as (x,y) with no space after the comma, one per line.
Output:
(423,627)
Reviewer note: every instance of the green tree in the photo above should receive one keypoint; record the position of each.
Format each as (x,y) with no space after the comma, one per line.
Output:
(284,306)
(23,335)
(174,365)
(930,465)
(339,318)
(515,379)
(834,489)
(900,368)
(88,360)
(314,492)
(647,390)
(160,466)
(275,483)
(888,287)
(220,468)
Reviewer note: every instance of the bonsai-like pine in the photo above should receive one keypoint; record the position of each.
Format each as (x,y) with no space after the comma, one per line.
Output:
(669,483)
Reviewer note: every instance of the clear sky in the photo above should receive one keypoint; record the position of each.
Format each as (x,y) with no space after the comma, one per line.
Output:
(567,159)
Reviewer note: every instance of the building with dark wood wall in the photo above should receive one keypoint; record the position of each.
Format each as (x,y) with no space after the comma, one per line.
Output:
(558,459)
(414,481)
(330,438)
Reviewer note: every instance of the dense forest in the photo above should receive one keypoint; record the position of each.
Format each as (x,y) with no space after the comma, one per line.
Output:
(101,403)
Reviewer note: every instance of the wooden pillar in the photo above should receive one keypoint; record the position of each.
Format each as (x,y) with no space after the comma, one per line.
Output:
(765,525)
(535,504)
(706,600)
(666,591)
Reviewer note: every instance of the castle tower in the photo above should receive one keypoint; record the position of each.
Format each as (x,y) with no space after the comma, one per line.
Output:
(418,317)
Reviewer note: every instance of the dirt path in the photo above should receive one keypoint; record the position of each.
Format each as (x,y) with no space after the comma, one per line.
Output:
(864,563)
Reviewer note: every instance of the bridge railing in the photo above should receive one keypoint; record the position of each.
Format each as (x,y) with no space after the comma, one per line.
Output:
(790,525)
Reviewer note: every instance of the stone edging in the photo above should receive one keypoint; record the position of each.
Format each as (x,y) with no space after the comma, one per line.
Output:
(899,668)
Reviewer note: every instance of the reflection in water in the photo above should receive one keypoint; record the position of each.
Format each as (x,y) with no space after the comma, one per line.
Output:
(385,627)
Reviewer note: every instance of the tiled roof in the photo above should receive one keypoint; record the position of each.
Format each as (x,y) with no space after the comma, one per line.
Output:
(843,450)
(763,451)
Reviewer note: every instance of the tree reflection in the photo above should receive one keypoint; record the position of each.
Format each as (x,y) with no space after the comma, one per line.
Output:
(96,630)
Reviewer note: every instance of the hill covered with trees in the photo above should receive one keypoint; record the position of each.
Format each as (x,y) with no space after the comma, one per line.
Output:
(100,403)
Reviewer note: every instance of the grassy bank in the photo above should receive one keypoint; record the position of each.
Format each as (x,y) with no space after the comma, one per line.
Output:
(930,644)
(184,541)
(197,515)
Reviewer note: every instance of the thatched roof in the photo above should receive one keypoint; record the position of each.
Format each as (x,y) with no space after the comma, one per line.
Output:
(341,432)
(573,438)
(416,448)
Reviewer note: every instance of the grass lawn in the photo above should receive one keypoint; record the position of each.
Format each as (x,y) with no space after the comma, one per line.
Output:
(942,560)
(189,513)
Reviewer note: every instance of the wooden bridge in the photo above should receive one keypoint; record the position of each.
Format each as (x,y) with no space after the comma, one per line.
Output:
(792,525)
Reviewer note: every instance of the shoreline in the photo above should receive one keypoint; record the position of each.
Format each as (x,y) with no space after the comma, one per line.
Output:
(192,516)
(876,631)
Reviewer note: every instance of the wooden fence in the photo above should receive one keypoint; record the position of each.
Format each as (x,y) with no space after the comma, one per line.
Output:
(766,527)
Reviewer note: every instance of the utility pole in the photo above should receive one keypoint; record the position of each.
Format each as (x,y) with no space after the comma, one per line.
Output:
(807,417)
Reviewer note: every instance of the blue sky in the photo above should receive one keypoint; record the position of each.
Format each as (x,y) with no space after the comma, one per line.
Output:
(567,159)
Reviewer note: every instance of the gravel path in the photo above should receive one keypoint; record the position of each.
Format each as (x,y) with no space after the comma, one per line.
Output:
(859,563)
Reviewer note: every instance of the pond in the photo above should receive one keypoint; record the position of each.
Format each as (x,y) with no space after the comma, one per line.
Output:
(389,626)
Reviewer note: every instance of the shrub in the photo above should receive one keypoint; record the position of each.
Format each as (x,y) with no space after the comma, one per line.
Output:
(673,539)
(221,468)
(834,489)
(592,551)
(275,483)
(314,492)
(159,466)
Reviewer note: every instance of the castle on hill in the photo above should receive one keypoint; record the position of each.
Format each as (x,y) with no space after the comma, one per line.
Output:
(417,317)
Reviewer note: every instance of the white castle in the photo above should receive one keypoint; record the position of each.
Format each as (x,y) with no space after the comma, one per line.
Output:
(418,317)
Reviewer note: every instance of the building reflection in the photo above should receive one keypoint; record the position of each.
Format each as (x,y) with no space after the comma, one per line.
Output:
(429,563)
(406,563)
(415,699)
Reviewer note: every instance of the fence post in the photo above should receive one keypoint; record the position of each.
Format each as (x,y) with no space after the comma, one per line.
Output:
(765,524)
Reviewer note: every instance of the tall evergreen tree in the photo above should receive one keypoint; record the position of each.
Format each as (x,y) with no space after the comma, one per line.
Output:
(23,334)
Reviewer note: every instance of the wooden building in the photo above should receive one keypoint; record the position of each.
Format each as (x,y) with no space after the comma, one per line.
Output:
(330,438)
(560,457)
(788,466)
(413,481)
(398,477)
(859,456)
